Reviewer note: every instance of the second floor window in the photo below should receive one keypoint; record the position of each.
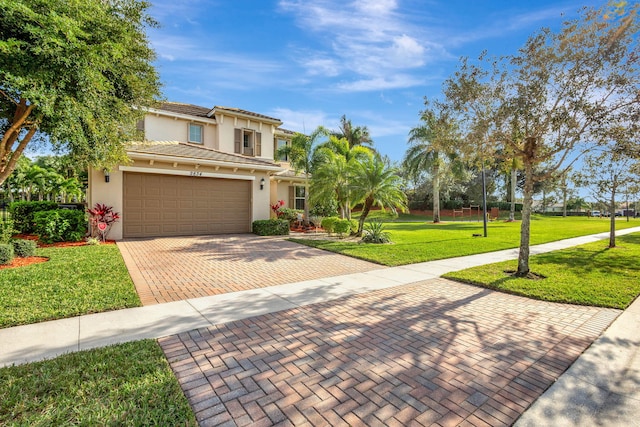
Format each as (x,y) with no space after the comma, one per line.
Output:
(279,144)
(195,133)
(247,142)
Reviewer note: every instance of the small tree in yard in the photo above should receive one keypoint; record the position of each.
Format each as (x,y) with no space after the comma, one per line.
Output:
(79,72)
(606,172)
(373,183)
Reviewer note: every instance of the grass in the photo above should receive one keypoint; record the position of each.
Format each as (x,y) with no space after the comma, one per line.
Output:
(76,280)
(589,274)
(128,384)
(423,241)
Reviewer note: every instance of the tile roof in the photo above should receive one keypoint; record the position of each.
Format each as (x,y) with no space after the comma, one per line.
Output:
(285,131)
(187,109)
(245,112)
(191,151)
(198,111)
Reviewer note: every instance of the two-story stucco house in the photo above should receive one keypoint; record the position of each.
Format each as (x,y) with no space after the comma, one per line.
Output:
(199,171)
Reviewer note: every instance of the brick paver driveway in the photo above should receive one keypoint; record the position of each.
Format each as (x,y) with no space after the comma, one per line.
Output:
(430,353)
(177,268)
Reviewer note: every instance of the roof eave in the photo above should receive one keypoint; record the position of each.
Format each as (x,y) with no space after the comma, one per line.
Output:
(136,155)
(240,114)
(182,116)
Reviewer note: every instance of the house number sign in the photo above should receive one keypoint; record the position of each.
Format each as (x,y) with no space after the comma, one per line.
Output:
(195,173)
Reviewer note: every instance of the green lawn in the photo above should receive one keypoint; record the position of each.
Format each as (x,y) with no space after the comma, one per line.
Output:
(419,241)
(76,280)
(589,274)
(128,384)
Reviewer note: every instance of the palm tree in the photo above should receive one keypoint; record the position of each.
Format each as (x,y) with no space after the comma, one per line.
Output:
(301,158)
(335,161)
(435,137)
(373,183)
(34,180)
(355,135)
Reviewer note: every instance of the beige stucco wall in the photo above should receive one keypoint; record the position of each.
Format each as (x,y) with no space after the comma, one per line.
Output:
(108,193)
(226,125)
(163,128)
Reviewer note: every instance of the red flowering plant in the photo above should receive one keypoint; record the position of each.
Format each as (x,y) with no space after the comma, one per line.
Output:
(101,218)
(276,208)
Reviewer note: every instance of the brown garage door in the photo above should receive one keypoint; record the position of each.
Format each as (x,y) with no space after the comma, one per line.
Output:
(167,205)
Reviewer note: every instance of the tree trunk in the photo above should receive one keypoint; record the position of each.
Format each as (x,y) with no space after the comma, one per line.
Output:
(514,179)
(436,193)
(306,200)
(564,202)
(525,227)
(612,213)
(363,215)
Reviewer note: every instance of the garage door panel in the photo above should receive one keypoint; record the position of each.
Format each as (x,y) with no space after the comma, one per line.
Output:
(165,205)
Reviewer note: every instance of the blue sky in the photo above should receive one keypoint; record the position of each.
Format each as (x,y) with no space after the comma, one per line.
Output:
(309,62)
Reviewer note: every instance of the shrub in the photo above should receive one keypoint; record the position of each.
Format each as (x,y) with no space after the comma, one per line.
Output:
(328,223)
(342,227)
(60,225)
(6,253)
(374,233)
(93,241)
(23,214)
(23,248)
(102,218)
(289,214)
(6,230)
(270,227)
(326,208)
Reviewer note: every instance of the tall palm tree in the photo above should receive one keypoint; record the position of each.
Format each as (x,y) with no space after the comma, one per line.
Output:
(355,135)
(334,168)
(301,158)
(373,183)
(431,144)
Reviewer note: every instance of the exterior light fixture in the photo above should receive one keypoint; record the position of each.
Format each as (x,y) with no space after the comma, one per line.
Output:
(262,184)
(106,175)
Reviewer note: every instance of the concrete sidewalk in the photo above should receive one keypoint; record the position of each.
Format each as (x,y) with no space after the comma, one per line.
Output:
(600,387)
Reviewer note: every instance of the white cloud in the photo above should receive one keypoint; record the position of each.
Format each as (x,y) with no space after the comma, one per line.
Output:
(372,43)
(397,81)
(301,120)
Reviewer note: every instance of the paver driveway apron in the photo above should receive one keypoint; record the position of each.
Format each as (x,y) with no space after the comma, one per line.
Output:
(432,353)
(178,268)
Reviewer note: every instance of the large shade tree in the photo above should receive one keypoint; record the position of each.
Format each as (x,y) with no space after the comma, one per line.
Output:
(565,91)
(79,72)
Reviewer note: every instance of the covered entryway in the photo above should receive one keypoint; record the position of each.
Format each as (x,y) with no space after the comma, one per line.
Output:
(173,205)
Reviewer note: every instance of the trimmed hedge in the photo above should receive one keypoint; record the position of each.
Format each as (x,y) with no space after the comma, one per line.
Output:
(328,223)
(60,225)
(270,227)
(342,227)
(6,230)
(23,214)
(6,253)
(24,248)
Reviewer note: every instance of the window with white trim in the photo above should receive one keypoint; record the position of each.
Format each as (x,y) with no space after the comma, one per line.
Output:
(195,133)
